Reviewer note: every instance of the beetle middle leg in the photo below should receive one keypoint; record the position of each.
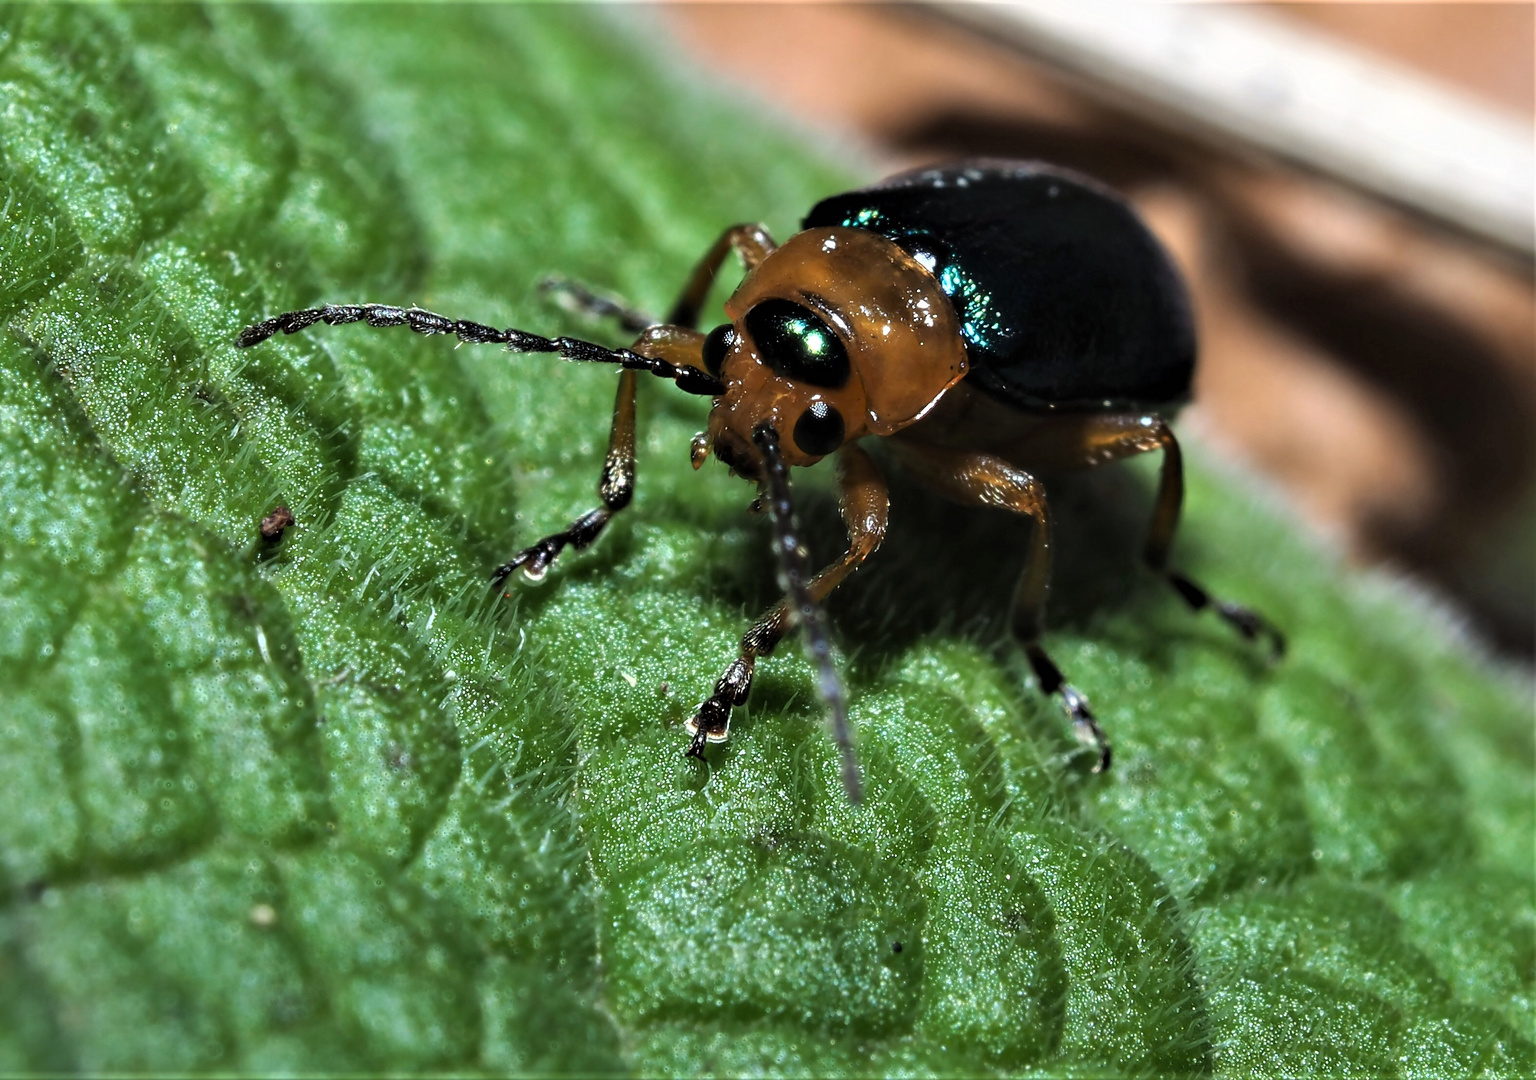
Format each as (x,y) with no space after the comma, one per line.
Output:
(751,242)
(976,479)
(865,503)
(574,296)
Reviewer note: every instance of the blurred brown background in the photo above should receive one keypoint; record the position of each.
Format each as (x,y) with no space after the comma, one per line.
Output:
(1381,368)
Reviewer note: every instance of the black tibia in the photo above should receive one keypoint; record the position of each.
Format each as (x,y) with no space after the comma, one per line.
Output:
(574,296)
(691,379)
(751,242)
(866,510)
(975,479)
(1122,436)
(616,488)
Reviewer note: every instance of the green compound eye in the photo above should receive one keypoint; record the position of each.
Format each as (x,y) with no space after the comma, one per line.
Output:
(795,343)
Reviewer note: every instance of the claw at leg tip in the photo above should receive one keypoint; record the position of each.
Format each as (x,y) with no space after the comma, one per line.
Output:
(1277,646)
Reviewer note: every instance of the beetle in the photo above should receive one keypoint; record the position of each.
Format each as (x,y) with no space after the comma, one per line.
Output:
(986,319)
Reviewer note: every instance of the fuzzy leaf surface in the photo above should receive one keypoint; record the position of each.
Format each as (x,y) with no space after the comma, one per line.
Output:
(332,804)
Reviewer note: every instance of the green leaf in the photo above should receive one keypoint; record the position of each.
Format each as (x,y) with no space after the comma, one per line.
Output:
(332,805)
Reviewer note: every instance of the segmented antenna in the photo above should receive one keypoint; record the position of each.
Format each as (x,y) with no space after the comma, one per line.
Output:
(794,580)
(690,379)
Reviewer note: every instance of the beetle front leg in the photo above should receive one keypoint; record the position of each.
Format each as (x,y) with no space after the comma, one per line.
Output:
(974,479)
(865,503)
(675,347)
(615,488)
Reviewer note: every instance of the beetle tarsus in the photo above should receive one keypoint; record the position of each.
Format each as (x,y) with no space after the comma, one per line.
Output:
(713,716)
(1073,701)
(534,561)
(711,721)
(1085,726)
(1253,627)
(1247,622)
(696,744)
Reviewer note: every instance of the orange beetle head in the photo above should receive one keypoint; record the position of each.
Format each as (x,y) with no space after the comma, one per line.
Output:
(836,335)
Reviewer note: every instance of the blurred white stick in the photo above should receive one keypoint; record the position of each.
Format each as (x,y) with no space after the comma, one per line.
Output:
(1249,78)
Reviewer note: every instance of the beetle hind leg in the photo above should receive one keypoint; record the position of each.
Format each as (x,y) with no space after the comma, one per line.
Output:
(1165,521)
(1078,441)
(1247,622)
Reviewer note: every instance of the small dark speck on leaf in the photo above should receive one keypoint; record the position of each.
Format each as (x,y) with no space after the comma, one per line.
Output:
(276,523)
(896,946)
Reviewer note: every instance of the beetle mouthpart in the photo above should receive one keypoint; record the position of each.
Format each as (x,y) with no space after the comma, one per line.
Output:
(698,449)
(739,458)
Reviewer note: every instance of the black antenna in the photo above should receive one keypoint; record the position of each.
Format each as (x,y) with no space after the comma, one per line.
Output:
(794,580)
(689,379)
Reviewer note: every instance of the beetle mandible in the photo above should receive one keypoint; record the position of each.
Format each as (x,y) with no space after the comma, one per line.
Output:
(986,318)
